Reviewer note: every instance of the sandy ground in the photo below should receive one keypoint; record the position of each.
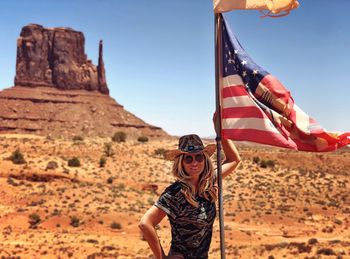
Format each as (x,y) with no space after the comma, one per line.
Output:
(291,205)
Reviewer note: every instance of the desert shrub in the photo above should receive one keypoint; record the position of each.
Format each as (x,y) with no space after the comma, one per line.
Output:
(102,161)
(256,159)
(51,165)
(326,251)
(56,212)
(159,152)
(74,162)
(327,229)
(36,203)
(116,225)
(230,214)
(110,180)
(119,136)
(302,247)
(312,241)
(17,157)
(12,182)
(263,164)
(334,241)
(338,221)
(74,221)
(92,241)
(108,151)
(78,138)
(142,139)
(270,163)
(267,163)
(34,220)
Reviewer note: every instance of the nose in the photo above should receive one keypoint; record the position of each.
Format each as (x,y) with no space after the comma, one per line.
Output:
(194,162)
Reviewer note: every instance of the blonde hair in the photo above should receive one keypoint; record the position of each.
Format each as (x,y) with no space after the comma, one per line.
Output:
(207,187)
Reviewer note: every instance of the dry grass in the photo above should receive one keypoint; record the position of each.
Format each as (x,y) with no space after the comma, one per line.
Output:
(297,206)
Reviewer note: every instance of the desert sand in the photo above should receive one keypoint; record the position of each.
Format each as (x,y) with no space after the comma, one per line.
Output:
(278,203)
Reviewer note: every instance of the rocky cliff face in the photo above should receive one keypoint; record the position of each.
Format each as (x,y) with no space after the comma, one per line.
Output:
(55,57)
(59,92)
(61,113)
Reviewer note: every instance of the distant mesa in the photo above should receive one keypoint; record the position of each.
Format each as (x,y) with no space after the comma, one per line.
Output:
(55,57)
(59,92)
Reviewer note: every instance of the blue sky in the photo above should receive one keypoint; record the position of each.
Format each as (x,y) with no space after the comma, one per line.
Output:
(159,54)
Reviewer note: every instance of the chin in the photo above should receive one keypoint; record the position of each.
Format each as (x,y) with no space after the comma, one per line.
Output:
(195,172)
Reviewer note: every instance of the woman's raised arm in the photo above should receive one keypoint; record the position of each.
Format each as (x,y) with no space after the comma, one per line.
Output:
(231,153)
(232,157)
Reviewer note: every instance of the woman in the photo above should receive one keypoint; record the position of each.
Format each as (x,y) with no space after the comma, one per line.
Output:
(189,203)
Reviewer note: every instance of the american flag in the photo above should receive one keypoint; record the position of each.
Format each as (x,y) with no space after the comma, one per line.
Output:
(257,107)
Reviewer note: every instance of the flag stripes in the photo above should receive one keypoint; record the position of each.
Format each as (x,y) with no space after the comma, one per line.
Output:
(256,107)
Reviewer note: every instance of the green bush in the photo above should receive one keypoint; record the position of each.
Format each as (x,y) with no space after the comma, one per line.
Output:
(119,136)
(267,163)
(116,225)
(51,165)
(312,241)
(102,161)
(325,251)
(78,138)
(263,164)
(74,221)
(74,162)
(256,159)
(142,139)
(17,157)
(34,220)
(110,180)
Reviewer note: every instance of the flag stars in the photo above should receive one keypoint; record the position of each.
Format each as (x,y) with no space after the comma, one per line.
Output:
(244,62)
(236,51)
(255,72)
(231,61)
(244,74)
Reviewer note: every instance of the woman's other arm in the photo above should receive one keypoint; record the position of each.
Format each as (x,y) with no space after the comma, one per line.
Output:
(231,153)
(232,157)
(147,225)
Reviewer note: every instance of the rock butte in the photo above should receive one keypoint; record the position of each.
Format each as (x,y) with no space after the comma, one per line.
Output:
(59,92)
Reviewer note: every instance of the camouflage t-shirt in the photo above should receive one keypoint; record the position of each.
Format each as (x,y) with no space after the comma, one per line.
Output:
(191,227)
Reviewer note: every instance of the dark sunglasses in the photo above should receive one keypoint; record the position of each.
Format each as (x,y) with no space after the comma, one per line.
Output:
(189,158)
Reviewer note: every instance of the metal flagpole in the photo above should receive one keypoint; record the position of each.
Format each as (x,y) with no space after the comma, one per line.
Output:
(217,34)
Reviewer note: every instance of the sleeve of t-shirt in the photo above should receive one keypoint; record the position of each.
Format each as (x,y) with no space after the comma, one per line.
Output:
(167,202)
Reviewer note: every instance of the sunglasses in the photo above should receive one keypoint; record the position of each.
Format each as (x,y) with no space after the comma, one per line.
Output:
(189,158)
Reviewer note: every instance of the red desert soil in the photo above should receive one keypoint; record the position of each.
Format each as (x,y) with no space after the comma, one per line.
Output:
(278,203)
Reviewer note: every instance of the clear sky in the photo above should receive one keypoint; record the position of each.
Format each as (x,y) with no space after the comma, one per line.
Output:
(159,54)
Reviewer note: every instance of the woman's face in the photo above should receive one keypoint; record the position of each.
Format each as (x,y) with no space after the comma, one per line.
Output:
(193,163)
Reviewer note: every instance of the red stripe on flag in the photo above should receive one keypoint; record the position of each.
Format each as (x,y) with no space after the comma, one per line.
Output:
(259,136)
(243,112)
(231,91)
(276,87)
